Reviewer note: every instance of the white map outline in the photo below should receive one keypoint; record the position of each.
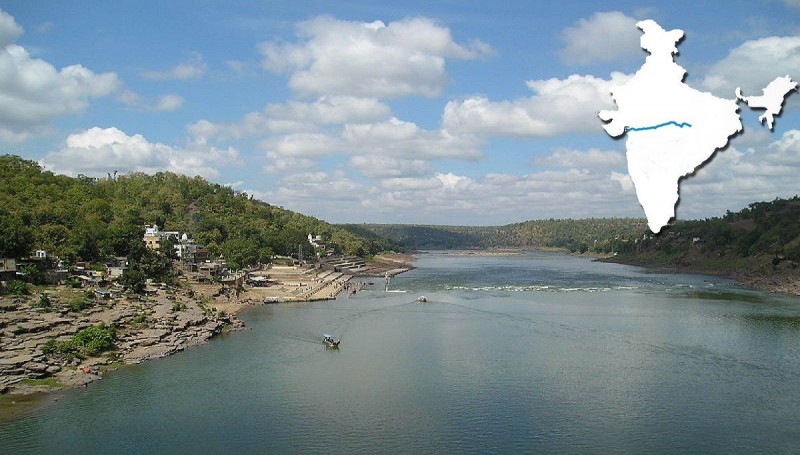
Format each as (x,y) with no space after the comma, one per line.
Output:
(672,128)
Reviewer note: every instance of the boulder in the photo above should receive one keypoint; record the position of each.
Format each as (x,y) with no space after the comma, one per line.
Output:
(35,367)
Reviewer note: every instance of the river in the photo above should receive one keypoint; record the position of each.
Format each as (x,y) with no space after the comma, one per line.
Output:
(540,352)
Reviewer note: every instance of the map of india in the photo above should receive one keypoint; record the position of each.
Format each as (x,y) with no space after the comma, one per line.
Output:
(671,128)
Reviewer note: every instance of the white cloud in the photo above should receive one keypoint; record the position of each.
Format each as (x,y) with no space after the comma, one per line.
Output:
(33,93)
(735,178)
(560,106)
(193,69)
(584,159)
(376,166)
(294,116)
(281,164)
(168,103)
(98,151)
(302,145)
(328,110)
(164,103)
(335,57)
(450,198)
(9,29)
(753,65)
(400,139)
(605,36)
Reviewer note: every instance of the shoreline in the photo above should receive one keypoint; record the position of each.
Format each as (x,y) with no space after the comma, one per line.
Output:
(785,282)
(148,327)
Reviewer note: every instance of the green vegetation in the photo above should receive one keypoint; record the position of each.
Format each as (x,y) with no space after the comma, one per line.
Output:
(762,235)
(49,382)
(79,304)
(44,303)
(586,235)
(91,219)
(178,306)
(89,341)
(16,287)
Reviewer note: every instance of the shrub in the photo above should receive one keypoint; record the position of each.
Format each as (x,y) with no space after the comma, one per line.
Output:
(80,303)
(17,287)
(44,302)
(95,339)
(178,306)
(49,347)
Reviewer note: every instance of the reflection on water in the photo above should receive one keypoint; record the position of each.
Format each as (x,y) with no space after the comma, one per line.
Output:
(533,353)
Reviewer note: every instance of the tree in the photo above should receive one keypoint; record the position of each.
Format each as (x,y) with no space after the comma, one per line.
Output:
(33,274)
(16,239)
(133,278)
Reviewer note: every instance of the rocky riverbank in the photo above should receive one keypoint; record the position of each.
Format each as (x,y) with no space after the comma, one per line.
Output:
(146,328)
(167,321)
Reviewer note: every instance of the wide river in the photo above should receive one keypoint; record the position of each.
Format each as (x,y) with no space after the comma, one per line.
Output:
(536,353)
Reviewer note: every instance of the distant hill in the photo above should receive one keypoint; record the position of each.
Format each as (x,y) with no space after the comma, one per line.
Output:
(762,238)
(89,219)
(597,235)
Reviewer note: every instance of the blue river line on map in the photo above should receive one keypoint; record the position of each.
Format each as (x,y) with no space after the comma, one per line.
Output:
(671,122)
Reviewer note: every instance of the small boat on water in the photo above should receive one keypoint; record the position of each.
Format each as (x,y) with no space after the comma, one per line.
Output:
(330,341)
(422,299)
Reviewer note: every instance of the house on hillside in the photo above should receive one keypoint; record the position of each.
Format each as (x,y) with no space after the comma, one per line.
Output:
(154,238)
(185,248)
(316,241)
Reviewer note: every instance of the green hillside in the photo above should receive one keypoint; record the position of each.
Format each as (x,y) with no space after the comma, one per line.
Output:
(90,219)
(762,238)
(602,235)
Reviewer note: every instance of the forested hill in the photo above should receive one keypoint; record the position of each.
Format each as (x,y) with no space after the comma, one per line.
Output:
(601,235)
(90,219)
(763,238)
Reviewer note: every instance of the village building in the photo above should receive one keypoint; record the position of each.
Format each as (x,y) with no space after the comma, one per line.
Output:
(154,238)
(316,241)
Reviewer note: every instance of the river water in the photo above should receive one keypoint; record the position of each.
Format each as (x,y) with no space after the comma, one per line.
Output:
(535,353)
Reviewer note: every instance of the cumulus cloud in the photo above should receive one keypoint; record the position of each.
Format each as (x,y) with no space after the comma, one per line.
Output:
(281,164)
(377,166)
(193,69)
(393,141)
(736,177)
(605,36)
(33,93)
(335,57)
(304,145)
(559,106)
(753,65)
(567,189)
(98,151)
(9,29)
(397,138)
(295,116)
(584,159)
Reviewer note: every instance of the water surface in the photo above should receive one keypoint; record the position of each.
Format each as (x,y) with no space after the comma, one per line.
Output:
(535,353)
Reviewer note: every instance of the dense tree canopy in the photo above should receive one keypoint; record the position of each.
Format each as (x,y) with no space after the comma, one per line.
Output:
(596,235)
(90,219)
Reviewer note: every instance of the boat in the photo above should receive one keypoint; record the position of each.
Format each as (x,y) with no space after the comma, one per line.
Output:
(330,341)
(422,299)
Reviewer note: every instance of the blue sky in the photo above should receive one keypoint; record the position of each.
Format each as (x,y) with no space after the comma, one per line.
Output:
(414,112)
